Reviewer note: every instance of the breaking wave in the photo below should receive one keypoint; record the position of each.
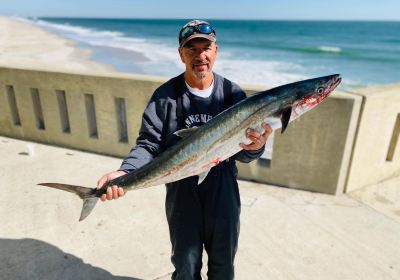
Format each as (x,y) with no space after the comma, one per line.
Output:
(163,60)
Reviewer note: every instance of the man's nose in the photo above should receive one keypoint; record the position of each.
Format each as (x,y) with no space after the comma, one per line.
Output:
(201,54)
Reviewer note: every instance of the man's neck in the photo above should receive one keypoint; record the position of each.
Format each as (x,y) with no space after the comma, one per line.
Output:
(201,84)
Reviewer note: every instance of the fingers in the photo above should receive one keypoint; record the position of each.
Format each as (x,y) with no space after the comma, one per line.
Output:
(257,139)
(252,133)
(246,147)
(267,128)
(113,192)
(251,146)
(108,195)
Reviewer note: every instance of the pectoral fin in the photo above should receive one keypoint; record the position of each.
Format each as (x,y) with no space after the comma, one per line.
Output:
(285,118)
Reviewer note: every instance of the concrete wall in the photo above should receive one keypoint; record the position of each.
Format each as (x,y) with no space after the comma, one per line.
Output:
(102,114)
(376,153)
(106,93)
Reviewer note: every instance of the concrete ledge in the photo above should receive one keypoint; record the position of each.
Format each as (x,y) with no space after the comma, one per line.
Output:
(134,92)
(376,153)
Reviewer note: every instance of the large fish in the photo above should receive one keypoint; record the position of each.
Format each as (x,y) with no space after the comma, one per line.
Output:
(217,140)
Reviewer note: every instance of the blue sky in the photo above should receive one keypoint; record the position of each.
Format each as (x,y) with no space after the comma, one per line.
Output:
(211,9)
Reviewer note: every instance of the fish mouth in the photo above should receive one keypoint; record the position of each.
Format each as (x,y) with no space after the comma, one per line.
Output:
(318,99)
(335,83)
(311,100)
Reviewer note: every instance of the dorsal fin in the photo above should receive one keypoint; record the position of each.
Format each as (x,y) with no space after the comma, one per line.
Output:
(183,133)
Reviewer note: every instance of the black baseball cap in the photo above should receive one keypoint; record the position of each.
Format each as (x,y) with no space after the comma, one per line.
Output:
(196,29)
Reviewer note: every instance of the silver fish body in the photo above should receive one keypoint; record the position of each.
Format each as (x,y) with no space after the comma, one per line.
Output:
(217,140)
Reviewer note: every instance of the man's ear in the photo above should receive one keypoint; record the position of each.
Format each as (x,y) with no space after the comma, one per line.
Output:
(180,50)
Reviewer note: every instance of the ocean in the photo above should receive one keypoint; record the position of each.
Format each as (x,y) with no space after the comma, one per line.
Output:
(266,53)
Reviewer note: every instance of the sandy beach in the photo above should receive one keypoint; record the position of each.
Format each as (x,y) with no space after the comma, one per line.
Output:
(25,46)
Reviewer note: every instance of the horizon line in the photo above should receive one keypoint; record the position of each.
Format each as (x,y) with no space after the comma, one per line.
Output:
(221,19)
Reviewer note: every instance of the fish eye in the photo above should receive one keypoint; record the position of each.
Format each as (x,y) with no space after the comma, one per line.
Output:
(321,90)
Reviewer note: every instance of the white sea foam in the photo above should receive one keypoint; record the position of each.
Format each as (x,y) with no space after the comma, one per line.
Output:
(260,72)
(151,50)
(162,59)
(330,49)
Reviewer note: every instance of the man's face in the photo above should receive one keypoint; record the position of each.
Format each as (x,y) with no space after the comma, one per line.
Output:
(199,55)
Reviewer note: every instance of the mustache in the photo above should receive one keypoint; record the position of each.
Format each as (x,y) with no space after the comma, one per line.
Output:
(200,62)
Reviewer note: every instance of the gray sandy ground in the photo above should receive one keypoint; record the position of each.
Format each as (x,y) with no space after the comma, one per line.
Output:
(285,233)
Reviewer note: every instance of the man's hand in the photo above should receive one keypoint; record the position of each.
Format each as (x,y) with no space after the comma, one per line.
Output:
(113,192)
(257,139)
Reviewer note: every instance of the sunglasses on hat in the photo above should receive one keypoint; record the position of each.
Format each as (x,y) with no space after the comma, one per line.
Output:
(202,28)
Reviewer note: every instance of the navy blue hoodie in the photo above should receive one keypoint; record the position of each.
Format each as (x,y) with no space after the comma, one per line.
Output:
(160,120)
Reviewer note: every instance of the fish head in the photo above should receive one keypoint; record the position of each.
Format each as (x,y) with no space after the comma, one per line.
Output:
(312,92)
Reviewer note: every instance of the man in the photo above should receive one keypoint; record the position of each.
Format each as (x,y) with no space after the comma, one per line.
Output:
(198,215)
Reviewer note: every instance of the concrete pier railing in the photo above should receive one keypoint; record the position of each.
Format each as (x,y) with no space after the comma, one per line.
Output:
(376,150)
(92,113)
(348,142)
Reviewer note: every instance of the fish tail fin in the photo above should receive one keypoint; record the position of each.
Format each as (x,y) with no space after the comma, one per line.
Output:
(88,205)
(86,194)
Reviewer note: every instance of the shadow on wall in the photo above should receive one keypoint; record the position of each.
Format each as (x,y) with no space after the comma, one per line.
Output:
(33,259)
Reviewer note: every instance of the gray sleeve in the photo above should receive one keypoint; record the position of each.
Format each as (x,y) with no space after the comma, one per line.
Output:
(244,155)
(150,139)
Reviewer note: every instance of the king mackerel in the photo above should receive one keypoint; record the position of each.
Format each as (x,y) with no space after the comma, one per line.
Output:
(204,147)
